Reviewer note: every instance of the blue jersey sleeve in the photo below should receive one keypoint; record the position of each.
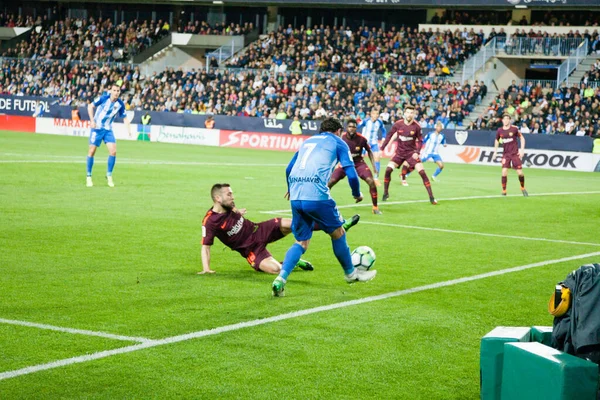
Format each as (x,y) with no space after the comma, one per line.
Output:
(345,159)
(289,169)
(361,125)
(443,139)
(343,153)
(101,100)
(122,113)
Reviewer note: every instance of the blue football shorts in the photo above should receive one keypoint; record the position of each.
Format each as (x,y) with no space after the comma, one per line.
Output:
(305,213)
(99,135)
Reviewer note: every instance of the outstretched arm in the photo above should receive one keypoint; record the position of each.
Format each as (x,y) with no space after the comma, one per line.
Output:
(389,137)
(91,109)
(288,170)
(206,260)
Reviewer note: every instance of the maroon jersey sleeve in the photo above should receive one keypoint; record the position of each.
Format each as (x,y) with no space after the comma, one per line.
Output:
(208,230)
(365,144)
(498,134)
(418,137)
(389,135)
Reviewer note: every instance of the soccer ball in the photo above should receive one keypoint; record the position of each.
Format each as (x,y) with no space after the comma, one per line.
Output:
(363,257)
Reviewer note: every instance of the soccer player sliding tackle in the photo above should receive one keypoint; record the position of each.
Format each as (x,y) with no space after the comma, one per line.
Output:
(409,137)
(225,222)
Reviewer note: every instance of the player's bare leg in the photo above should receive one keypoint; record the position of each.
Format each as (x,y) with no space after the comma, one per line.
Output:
(504,180)
(522,182)
(406,169)
(386,181)
(342,253)
(377,158)
(438,170)
(278,286)
(90,164)
(272,266)
(373,191)
(112,154)
(426,183)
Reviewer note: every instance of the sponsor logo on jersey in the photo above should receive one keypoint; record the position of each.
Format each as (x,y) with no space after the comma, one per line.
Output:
(236,228)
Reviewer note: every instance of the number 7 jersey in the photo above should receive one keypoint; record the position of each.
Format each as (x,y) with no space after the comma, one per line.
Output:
(314,164)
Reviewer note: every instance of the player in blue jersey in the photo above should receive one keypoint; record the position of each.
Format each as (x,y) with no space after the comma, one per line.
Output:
(104,111)
(307,174)
(431,148)
(370,129)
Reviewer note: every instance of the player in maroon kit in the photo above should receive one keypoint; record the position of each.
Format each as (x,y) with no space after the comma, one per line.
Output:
(225,222)
(357,144)
(508,135)
(408,134)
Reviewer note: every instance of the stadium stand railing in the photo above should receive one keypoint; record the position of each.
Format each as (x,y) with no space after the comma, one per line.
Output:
(572,62)
(478,60)
(541,46)
(150,51)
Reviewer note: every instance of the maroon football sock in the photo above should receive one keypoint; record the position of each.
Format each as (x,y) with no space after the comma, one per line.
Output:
(373,192)
(387,179)
(426,182)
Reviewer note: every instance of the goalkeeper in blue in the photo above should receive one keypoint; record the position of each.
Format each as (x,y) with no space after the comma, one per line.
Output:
(431,148)
(103,112)
(307,176)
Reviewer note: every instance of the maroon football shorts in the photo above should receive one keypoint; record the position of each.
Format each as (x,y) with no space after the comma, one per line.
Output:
(266,232)
(513,160)
(400,158)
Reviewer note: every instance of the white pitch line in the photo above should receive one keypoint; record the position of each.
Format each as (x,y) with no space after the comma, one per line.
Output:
(74,331)
(277,318)
(493,196)
(424,228)
(143,162)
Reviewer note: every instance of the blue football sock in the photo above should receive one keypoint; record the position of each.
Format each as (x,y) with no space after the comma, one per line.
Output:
(90,164)
(437,171)
(291,259)
(377,168)
(342,252)
(111,165)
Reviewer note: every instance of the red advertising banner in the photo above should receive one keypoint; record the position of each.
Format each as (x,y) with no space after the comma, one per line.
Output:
(17,123)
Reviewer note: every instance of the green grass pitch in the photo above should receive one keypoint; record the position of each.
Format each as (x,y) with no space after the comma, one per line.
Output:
(123,261)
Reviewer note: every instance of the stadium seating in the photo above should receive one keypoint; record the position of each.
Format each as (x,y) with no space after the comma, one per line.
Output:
(365,51)
(89,40)
(204,28)
(536,108)
(246,92)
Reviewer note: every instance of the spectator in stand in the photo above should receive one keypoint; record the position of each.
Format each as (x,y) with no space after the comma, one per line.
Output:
(365,51)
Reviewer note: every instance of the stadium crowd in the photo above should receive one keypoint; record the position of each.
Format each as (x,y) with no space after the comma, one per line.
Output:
(89,39)
(204,28)
(539,109)
(538,18)
(403,51)
(593,75)
(245,92)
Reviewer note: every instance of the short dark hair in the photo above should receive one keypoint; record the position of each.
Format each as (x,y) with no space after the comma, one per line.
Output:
(115,84)
(505,115)
(409,107)
(351,121)
(331,125)
(216,188)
